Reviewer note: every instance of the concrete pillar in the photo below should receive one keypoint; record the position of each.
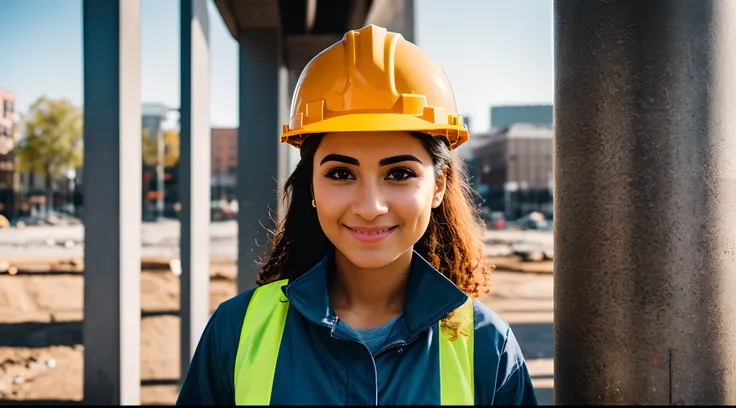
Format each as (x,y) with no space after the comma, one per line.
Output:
(258,147)
(112,201)
(645,222)
(293,155)
(194,175)
(284,150)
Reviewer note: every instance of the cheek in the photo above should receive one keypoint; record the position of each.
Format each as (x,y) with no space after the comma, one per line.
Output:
(414,205)
(332,201)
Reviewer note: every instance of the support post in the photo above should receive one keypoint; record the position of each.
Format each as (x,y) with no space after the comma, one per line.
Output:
(258,147)
(112,201)
(645,185)
(194,176)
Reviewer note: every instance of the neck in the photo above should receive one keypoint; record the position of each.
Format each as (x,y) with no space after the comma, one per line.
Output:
(377,292)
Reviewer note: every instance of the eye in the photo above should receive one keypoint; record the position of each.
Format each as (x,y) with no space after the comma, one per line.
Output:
(400,174)
(340,174)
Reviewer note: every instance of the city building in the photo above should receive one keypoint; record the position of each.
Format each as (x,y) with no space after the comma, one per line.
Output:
(224,145)
(8,177)
(468,151)
(515,166)
(158,178)
(505,116)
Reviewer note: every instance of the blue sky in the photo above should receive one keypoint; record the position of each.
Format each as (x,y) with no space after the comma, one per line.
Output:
(494,52)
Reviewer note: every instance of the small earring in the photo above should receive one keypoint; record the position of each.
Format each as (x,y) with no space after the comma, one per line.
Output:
(313,204)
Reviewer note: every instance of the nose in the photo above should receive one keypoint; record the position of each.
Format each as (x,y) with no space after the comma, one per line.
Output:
(369,201)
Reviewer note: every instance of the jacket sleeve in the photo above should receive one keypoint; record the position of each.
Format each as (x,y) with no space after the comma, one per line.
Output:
(207,381)
(516,386)
(517,389)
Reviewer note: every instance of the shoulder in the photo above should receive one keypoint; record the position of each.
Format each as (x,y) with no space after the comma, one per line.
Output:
(209,378)
(495,342)
(495,346)
(227,320)
(236,305)
(489,325)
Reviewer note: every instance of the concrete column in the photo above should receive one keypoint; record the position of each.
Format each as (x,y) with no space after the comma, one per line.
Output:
(258,147)
(194,175)
(293,155)
(284,156)
(645,222)
(112,201)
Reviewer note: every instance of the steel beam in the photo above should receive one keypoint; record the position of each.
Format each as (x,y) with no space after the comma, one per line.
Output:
(645,186)
(258,147)
(194,175)
(112,201)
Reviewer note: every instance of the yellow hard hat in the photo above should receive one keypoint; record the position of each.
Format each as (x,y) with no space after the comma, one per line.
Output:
(373,80)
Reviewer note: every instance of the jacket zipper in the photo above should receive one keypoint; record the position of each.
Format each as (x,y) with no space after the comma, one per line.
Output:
(373,360)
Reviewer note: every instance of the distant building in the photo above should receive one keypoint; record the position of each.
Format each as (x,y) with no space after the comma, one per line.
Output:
(505,116)
(224,163)
(8,182)
(515,166)
(159,191)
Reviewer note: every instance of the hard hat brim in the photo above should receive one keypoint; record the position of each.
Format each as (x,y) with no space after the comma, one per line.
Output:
(377,122)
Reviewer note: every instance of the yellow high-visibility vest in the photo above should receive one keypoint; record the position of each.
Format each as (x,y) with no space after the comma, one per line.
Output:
(263,327)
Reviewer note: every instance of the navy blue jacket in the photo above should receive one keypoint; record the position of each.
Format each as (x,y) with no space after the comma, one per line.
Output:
(318,364)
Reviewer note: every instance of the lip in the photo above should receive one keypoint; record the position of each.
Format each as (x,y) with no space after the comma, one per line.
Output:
(370,234)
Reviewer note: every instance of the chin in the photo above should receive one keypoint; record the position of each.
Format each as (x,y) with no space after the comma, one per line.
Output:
(371,259)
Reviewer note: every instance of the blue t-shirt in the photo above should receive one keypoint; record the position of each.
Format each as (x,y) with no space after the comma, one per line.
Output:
(375,337)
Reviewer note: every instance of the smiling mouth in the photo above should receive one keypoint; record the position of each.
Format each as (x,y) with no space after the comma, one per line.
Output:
(371,231)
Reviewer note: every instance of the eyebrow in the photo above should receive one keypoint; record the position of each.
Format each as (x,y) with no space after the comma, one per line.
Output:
(398,159)
(340,158)
(383,162)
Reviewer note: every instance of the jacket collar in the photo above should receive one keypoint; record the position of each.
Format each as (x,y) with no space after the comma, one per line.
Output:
(430,296)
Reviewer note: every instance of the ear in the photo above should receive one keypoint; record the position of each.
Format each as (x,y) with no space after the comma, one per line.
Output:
(439,189)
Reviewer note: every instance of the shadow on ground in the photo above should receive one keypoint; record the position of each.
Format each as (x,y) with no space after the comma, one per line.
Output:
(535,339)
(544,396)
(37,334)
(537,342)
(39,402)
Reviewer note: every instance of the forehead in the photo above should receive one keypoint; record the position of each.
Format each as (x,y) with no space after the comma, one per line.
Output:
(371,145)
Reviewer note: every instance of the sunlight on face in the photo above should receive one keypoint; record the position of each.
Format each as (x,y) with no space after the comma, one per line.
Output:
(374,193)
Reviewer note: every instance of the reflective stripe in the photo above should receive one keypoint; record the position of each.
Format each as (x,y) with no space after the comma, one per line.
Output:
(263,327)
(457,385)
(260,340)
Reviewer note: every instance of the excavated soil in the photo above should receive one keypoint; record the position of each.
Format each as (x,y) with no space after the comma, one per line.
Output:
(41,351)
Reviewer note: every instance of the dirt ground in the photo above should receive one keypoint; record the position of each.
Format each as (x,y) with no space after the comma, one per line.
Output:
(41,352)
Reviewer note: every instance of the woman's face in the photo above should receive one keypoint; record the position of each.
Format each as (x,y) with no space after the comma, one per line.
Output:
(374,192)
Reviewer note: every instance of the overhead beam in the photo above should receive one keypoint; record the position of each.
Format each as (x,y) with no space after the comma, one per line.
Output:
(225,7)
(257,14)
(300,49)
(394,15)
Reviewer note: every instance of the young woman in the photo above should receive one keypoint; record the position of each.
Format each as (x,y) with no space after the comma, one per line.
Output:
(369,295)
